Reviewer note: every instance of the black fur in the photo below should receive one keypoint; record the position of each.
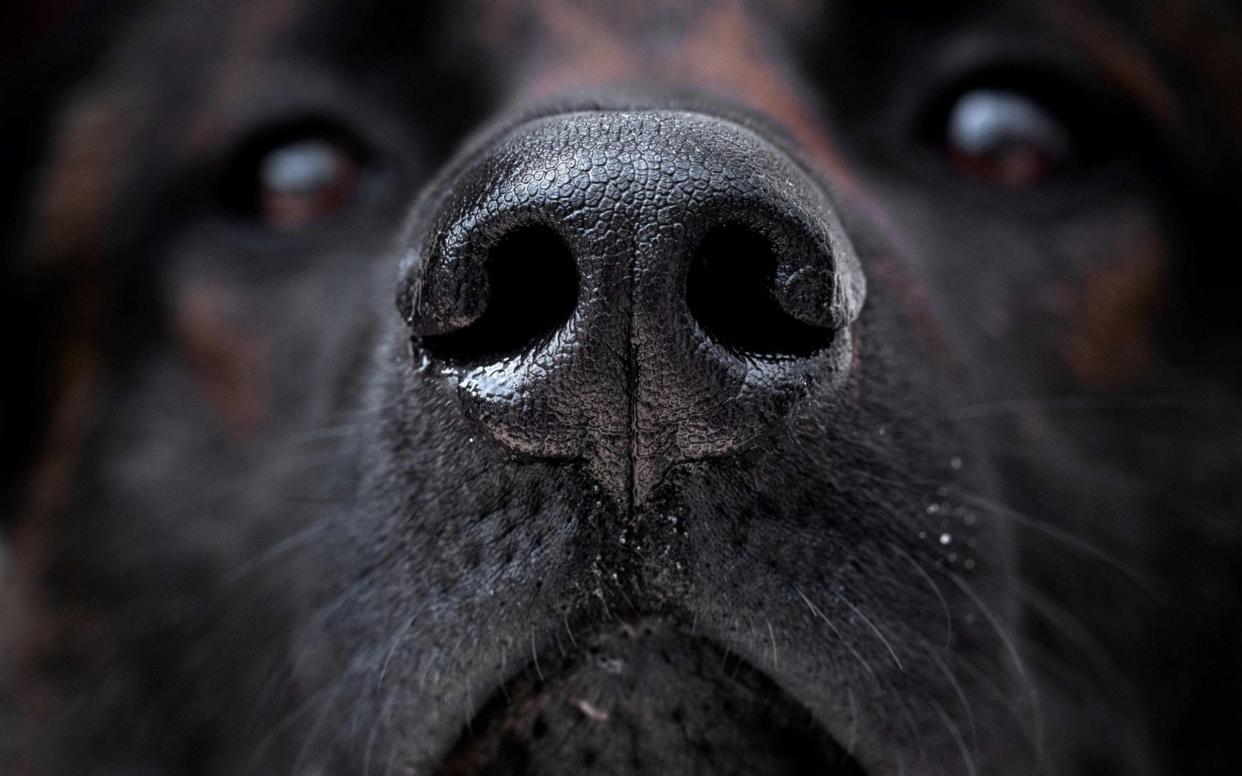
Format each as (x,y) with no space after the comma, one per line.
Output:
(782,443)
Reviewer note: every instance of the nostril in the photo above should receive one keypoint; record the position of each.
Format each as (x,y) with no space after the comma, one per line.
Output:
(532,290)
(731,289)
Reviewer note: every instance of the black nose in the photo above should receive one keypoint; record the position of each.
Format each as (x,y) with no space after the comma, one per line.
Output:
(635,290)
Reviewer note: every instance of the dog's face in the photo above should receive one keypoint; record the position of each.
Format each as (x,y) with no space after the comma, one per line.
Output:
(643,387)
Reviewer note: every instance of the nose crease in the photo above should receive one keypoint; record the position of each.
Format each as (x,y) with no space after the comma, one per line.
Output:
(711,278)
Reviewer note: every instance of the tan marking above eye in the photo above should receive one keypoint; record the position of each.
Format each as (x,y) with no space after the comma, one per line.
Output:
(227,357)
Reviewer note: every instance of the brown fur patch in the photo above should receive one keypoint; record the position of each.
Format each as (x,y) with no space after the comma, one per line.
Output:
(577,47)
(51,634)
(74,202)
(1211,44)
(721,50)
(1129,65)
(1111,340)
(726,53)
(228,361)
(67,242)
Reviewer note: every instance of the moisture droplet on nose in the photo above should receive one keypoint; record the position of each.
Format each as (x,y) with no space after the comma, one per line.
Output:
(946,538)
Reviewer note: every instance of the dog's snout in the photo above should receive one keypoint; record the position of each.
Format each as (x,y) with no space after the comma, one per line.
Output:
(633,289)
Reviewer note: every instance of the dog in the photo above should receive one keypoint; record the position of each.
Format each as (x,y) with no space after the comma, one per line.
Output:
(708,386)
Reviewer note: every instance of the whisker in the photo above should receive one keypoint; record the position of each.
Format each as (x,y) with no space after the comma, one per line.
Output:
(285,725)
(878,633)
(1060,618)
(395,643)
(849,645)
(1060,535)
(1011,648)
(955,732)
(962,698)
(373,734)
(935,588)
(312,735)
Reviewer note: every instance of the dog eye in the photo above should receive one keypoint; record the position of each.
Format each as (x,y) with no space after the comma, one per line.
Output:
(303,180)
(293,176)
(1005,138)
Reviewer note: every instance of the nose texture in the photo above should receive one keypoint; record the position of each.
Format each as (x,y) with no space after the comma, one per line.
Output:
(636,290)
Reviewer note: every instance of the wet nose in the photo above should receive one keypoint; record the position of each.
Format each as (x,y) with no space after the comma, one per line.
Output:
(634,290)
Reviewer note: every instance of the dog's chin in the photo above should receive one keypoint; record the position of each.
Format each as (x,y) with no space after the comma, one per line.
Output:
(644,697)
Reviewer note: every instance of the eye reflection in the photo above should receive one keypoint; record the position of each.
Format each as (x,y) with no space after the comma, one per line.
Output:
(1006,138)
(304,180)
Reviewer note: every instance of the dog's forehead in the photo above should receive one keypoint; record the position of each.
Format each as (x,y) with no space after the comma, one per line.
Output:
(739,47)
(513,40)
(629,38)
